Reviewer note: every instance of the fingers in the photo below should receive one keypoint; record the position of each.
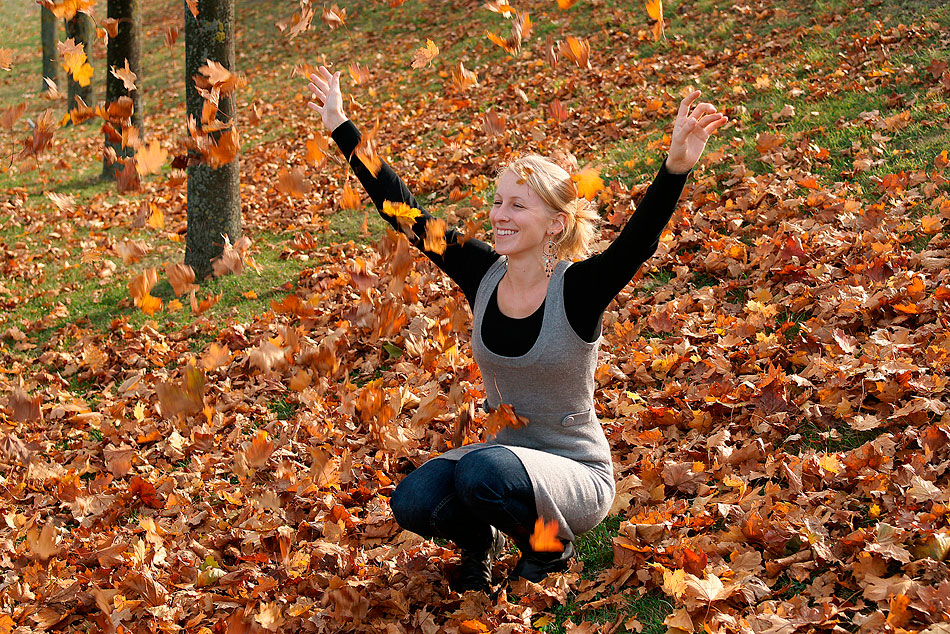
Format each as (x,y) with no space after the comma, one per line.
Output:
(684,105)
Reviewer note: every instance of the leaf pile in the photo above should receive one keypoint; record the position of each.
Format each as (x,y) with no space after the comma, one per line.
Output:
(773,384)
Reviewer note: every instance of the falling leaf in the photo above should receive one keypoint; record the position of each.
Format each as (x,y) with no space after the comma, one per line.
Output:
(317,148)
(462,78)
(6,59)
(63,202)
(577,50)
(502,417)
(589,182)
(434,239)
(193,7)
(544,538)
(24,408)
(493,123)
(366,150)
(655,11)
(181,277)
(334,16)
(351,198)
(156,218)
(215,356)
(125,75)
(42,543)
(9,115)
(83,75)
(292,182)
(359,73)
(171,35)
(425,55)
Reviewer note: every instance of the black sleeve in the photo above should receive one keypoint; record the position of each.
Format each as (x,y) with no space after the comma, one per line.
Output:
(590,285)
(466,262)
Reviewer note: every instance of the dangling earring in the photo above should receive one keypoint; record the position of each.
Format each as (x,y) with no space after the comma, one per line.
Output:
(549,256)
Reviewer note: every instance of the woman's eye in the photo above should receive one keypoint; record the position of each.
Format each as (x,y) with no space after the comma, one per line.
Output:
(497,202)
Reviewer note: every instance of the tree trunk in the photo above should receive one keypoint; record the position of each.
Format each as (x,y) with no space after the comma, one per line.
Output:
(126,45)
(49,33)
(83,31)
(214,196)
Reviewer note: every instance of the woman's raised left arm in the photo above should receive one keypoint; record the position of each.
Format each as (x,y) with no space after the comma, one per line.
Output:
(590,285)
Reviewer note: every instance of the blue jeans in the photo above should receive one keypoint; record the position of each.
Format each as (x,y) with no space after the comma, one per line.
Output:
(461,500)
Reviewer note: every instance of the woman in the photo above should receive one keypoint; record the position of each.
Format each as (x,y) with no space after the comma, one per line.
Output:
(536,330)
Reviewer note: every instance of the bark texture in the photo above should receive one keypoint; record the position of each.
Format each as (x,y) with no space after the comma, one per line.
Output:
(214,196)
(49,32)
(126,45)
(83,31)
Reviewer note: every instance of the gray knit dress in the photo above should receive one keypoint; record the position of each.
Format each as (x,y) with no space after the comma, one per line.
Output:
(563,447)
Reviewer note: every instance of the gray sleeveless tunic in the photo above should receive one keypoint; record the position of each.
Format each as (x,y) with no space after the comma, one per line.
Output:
(563,447)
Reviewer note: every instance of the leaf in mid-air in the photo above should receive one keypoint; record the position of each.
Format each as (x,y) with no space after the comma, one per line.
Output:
(544,538)
(125,75)
(588,182)
(150,158)
(425,55)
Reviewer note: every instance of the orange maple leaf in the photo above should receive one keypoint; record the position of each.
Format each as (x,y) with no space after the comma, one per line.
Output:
(503,416)
(366,151)
(360,74)
(434,239)
(655,10)
(425,54)
(351,198)
(150,158)
(292,183)
(463,78)
(577,50)
(125,75)
(334,16)
(588,182)
(316,155)
(181,277)
(544,538)
(566,4)
(259,451)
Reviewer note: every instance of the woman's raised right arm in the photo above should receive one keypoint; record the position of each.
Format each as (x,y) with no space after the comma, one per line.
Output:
(465,261)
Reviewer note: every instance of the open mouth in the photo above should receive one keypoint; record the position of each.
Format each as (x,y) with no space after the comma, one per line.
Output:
(505,232)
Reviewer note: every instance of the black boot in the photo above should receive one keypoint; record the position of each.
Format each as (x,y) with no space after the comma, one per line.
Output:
(535,566)
(474,571)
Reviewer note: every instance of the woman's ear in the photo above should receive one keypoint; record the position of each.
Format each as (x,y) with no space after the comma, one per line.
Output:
(558,223)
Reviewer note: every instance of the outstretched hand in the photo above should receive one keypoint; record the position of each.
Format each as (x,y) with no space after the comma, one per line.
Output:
(327,97)
(691,130)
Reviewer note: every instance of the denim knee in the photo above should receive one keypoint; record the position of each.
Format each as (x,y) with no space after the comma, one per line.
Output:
(492,476)
(417,497)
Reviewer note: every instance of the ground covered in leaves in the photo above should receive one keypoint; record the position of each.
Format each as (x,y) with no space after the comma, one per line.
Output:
(773,384)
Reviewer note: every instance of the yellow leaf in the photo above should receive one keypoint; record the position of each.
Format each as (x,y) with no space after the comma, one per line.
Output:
(250,295)
(84,75)
(400,210)
(655,9)
(150,305)
(156,219)
(588,182)
(829,462)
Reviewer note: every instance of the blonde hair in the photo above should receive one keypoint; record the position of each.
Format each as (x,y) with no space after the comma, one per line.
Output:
(553,184)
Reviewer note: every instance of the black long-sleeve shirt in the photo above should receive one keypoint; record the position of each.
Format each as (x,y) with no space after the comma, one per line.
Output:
(589,285)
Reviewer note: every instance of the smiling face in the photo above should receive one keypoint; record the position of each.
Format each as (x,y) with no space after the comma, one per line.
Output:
(520,220)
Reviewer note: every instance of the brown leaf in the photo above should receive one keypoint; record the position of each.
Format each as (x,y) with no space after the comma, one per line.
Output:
(125,75)
(258,452)
(24,408)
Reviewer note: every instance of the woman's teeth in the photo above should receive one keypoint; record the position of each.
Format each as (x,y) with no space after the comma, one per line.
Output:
(505,232)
